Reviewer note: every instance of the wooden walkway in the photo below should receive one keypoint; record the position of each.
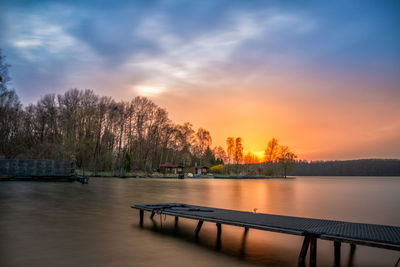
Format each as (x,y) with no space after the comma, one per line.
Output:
(373,235)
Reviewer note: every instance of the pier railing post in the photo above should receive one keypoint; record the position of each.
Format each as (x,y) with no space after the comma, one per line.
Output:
(141,213)
(303,251)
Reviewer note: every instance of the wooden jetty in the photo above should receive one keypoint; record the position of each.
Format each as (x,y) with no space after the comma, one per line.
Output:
(373,235)
(39,170)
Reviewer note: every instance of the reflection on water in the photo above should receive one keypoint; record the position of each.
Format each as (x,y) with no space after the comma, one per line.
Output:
(69,224)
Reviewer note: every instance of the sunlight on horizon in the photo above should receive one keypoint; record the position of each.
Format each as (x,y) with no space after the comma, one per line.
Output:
(149,90)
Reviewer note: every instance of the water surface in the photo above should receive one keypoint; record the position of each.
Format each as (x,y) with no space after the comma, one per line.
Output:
(69,224)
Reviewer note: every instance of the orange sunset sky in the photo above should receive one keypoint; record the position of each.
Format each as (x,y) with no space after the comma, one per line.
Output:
(323,78)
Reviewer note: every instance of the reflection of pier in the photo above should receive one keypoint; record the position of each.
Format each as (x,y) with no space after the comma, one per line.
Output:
(380,236)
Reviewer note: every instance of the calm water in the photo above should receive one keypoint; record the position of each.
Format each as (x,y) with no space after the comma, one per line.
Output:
(69,224)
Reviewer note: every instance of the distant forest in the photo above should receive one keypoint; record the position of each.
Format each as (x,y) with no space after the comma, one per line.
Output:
(361,167)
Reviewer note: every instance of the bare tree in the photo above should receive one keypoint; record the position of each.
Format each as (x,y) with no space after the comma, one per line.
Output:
(10,113)
(271,152)
(238,150)
(230,148)
(250,158)
(286,159)
(220,154)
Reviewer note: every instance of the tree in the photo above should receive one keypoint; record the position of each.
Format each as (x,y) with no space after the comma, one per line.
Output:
(203,141)
(250,158)
(286,159)
(127,162)
(238,150)
(10,114)
(220,154)
(230,148)
(271,152)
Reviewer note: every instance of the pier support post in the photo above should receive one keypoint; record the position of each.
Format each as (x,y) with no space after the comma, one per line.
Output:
(313,251)
(303,251)
(352,248)
(219,230)
(141,214)
(152,214)
(337,252)
(351,256)
(198,228)
(176,222)
(243,245)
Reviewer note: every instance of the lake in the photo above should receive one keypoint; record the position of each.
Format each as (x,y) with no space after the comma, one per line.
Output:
(69,224)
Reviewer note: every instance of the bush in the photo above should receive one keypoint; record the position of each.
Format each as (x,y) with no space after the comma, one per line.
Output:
(217,168)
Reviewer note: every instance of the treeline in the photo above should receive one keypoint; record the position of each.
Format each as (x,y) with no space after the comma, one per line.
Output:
(279,160)
(97,132)
(101,134)
(362,167)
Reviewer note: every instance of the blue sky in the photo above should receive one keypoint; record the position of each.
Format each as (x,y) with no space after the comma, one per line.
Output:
(285,52)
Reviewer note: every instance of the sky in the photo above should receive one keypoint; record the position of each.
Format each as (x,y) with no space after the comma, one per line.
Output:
(323,77)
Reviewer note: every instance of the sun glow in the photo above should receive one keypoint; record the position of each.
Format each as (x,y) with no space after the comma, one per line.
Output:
(259,154)
(149,90)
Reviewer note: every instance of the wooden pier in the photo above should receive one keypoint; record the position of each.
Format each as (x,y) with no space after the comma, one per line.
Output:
(373,235)
(39,170)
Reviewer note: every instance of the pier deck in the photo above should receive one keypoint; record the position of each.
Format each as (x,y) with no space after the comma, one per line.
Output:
(381,236)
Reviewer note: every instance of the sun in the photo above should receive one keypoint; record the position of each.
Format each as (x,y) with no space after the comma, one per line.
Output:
(149,90)
(259,154)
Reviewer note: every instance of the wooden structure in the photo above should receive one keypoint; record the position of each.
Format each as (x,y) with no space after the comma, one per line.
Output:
(197,170)
(373,235)
(168,168)
(38,169)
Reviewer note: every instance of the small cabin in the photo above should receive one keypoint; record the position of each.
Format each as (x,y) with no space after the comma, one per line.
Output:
(169,168)
(197,170)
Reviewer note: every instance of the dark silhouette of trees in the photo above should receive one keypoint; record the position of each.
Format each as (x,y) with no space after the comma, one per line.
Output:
(10,113)
(286,160)
(361,167)
(238,150)
(271,152)
(96,132)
